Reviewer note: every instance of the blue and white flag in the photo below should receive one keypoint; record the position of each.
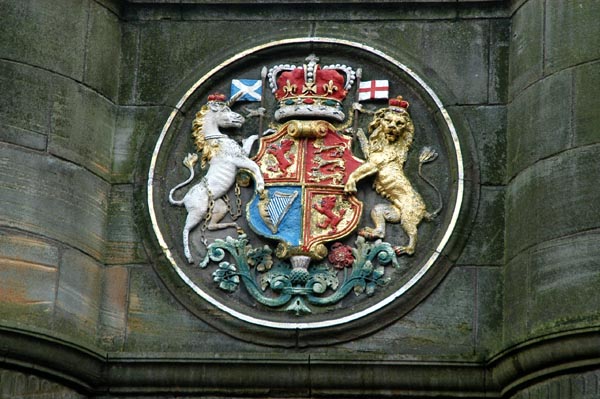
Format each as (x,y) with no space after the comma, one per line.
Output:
(251,89)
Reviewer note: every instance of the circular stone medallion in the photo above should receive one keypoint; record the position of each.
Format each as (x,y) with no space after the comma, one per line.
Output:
(307,185)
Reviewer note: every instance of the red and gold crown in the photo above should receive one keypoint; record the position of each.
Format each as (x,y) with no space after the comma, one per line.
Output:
(311,90)
(398,104)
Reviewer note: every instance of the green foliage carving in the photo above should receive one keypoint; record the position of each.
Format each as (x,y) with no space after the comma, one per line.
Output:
(278,285)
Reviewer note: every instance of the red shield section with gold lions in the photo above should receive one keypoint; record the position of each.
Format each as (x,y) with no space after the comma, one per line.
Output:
(305,166)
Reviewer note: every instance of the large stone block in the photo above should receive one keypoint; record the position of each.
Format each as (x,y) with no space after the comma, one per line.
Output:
(24,105)
(28,274)
(442,326)
(489,313)
(165,72)
(572,33)
(488,124)
(79,296)
(486,242)
(499,48)
(516,299)
(583,384)
(564,278)
(526,46)
(103,44)
(552,199)
(134,127)
(539,122)
(83,124)
(587,103)
(154,312)
(47,34)
(123,243)
(113,307)
(454,53)
(53,198)
(17,385)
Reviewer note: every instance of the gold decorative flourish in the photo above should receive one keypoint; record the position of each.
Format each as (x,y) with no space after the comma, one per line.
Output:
(289,89)
(329,88)
(308,129)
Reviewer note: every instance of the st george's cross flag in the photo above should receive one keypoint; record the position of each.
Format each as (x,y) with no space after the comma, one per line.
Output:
(373,89)
(251,89)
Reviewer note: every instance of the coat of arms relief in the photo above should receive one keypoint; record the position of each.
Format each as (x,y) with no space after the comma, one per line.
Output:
(306,189)
(305,175)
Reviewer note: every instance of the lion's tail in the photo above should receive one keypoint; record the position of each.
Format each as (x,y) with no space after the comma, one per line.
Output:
(427,155)
(189,161)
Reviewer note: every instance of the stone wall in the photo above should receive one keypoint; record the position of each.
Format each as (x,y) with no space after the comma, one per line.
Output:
(86,87)
(552,221)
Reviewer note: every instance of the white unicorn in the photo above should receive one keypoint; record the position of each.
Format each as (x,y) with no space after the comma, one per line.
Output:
(224,156)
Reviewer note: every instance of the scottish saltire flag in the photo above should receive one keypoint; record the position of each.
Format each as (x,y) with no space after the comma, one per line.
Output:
(373,89)
(251,89)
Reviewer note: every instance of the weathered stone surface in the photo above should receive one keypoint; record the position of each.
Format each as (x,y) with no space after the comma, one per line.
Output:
(442,327)
(564,279)
(130,42)
(579,385)
(488,126)
(113,308)
(53,198)
(28,274)
(168,74)
(83,124)
(554,198)
(526,46)
(587,103)
(45,34)
(572,33)
(486,242)
(123,243)
(24,116)
(17,385)
(134,126)
(78,296)
(153,312)
(539,122)
(297,11)
(488,329)
(499,48)
(102,62)
(455,53)
(516,300)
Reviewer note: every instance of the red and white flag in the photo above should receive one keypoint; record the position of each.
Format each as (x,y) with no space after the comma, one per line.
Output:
(373,89)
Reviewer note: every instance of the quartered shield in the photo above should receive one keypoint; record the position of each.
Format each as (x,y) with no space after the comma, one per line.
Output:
(305,165)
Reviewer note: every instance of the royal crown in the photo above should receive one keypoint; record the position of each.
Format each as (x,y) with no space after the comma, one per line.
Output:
(310,90)
(398,104)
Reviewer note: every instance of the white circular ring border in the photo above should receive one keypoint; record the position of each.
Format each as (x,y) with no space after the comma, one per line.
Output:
(341,320)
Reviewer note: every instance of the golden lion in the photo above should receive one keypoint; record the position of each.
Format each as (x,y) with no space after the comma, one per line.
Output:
(391,135)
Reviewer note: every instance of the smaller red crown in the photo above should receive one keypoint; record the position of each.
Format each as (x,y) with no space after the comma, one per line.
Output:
(219,97)
(398,102)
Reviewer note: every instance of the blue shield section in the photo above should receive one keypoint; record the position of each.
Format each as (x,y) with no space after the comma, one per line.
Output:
(283,213)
